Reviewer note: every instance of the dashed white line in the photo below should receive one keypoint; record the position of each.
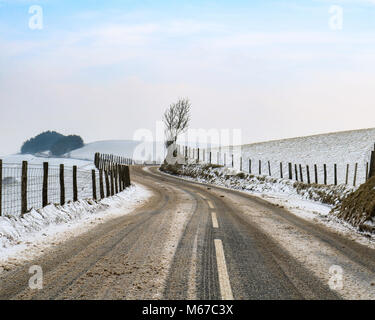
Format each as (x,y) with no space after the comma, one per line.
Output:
(210,204)
(225,288)
(215,224)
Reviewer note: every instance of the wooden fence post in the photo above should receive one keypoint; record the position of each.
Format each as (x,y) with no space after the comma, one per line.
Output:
(45,185)
(225,159)
(210,157)
(75,187)
(101,186)
(250,166)
(107,187)
(24,188)
(121,185)
(308,174)
(316,173)
(240,163)
(112,182)
(296,171)
(347,174)
(119,178)
(260,167)
(372,164)
(123,177)
(96,159)
(281,170)
(355,174)
(366,171)
(290,171)
(325,173)
(62,185)
(269,168)
(115,173)
(1,187)
(198,154)
(300,173)
(127,176)
(93,184)
(335,173)
(232,161)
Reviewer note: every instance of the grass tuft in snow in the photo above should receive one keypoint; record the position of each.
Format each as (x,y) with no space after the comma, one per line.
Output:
(358,208)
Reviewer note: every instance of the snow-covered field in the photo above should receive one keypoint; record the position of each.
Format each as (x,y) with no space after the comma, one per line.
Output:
(11,186)
(139,151)
(22,238)
(341,148)
(16,159)
(136,150)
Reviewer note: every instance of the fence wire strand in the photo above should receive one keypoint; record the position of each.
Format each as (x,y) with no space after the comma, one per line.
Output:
(11,186)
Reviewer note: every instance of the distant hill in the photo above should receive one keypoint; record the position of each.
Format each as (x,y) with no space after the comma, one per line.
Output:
(136,150)
(53,142)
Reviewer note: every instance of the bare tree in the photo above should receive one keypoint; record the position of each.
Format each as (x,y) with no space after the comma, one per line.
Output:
(176,120)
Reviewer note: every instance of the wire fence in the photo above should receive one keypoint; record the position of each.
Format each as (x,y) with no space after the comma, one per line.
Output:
(26,186)
(322,173)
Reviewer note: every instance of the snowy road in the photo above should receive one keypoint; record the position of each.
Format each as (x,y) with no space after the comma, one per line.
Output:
(191,241)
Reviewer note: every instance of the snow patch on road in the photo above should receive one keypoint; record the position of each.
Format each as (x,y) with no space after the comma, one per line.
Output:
(24,237)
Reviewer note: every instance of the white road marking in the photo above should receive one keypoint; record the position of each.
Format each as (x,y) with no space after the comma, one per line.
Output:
(210,204)
(225,288)
(215,224)
(192,285)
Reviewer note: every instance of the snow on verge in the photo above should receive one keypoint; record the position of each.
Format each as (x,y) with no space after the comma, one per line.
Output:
(23,238)
(235,179)
(310,202)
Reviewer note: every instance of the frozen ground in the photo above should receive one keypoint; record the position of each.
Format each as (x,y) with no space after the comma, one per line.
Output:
(24,238)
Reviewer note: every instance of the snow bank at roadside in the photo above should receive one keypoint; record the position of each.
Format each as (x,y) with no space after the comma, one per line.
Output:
(42,228)
(232,178)
(310,202)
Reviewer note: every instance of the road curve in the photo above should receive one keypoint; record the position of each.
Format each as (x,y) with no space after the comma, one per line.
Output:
(257,267)
(189,241)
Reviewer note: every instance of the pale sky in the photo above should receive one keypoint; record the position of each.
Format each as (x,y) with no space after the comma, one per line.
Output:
(103,69)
